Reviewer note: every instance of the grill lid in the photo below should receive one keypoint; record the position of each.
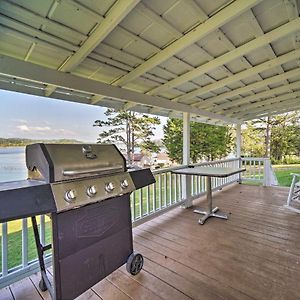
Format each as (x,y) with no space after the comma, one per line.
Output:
(58,162)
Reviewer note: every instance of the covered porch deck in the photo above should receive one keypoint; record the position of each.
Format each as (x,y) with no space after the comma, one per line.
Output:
(253,255)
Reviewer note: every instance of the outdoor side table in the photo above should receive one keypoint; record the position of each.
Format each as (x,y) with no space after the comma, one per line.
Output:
(209,172)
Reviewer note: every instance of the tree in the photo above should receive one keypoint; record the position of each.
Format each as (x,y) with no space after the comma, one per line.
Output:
(131,129)
(207,141)
(273,137)
(252,141)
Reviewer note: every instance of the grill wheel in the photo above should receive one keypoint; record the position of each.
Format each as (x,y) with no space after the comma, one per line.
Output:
(135,263)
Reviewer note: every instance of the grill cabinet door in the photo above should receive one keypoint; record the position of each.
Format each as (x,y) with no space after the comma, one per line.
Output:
(90,242)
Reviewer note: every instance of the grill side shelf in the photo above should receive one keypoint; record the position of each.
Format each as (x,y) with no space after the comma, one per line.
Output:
(21,199)
(142,177)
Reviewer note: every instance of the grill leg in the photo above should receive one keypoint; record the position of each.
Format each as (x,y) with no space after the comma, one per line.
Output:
(45,283)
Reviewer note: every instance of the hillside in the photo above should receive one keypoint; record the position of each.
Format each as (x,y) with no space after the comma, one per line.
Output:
(19,142)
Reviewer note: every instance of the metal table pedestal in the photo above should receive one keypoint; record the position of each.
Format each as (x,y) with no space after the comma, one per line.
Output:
(211,212)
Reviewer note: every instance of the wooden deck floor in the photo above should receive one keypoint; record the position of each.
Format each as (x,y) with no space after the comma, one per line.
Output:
(253,255)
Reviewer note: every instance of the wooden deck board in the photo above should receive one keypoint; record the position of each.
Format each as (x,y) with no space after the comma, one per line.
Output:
(253,255)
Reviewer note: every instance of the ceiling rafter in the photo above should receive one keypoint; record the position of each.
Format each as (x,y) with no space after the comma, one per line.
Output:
(261,95)
(261,41)
(270,113)
(213,23)
(18,10)
(250,87)
(28,71)
(105,26)
(259,32)
(295,54)
(151,15)
(240,110)
(271,106)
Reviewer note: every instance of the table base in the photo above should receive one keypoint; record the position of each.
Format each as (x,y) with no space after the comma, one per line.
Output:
(208,214)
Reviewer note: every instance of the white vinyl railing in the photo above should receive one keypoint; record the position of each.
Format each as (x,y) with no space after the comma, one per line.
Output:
(146,203)
(167,192)
(258,170)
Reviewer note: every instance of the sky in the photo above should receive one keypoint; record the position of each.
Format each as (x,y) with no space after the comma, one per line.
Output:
(28,116)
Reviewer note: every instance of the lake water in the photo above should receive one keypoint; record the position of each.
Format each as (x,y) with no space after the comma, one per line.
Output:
(12,164)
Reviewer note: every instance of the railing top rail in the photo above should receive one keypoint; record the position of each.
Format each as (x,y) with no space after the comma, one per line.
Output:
(254,158)
(214,162)
(165,170)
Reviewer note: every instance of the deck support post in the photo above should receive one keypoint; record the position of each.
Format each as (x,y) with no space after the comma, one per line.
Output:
(186,179)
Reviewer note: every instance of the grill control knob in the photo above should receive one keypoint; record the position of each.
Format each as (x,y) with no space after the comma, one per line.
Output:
(91,191)
(70,195)
(124,184)
(109,187)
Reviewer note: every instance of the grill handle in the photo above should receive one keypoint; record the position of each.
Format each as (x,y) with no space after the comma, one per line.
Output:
(106,170)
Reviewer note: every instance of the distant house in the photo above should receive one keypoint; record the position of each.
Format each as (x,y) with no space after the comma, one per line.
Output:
(142,160)
(162,158)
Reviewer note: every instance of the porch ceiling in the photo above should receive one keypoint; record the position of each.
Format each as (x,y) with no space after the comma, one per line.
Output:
(223,61)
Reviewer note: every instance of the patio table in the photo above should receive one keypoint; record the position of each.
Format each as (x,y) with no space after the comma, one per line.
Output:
(209,172)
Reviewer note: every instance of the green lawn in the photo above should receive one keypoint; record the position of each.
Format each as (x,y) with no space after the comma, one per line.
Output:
(15,243)
(283,173)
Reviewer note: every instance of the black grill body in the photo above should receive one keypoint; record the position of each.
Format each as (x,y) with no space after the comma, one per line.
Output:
(91,232)
(89,244)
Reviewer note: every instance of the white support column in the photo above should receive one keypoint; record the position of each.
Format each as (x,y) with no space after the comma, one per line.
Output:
(238,147)
(186,180)
(238,140)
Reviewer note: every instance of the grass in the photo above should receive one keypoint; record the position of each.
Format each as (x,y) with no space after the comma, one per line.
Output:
(15,243)
(283,173)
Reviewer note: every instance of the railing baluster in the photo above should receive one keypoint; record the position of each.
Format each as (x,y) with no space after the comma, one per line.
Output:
(171,188)
(141,202)
(165,189)
(160,191)
(192,184)
(4,249)
(148,199)
(42,229)
(175,188)
(180,186)
(24,243)
(132,196)
(154,196)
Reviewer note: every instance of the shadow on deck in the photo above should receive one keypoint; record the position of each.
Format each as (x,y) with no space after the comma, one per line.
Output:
(254,254)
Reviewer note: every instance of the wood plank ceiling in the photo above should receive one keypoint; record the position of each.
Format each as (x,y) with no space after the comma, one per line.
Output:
(223,61)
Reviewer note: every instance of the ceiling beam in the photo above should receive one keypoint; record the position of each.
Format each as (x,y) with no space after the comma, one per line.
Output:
(293,55)
(270,113)
(261,95)
(250,87)
(272,107)
(225,15)
(240,110)
(35,73)
(258,42)
(115,15)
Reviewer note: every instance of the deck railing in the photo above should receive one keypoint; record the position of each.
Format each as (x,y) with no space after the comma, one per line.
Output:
(168,191)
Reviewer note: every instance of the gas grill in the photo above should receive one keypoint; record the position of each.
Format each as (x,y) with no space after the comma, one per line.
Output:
(86,190)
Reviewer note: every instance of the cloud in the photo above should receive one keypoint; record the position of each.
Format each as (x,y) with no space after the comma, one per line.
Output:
(19,121)
(23,127)
(33,129)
